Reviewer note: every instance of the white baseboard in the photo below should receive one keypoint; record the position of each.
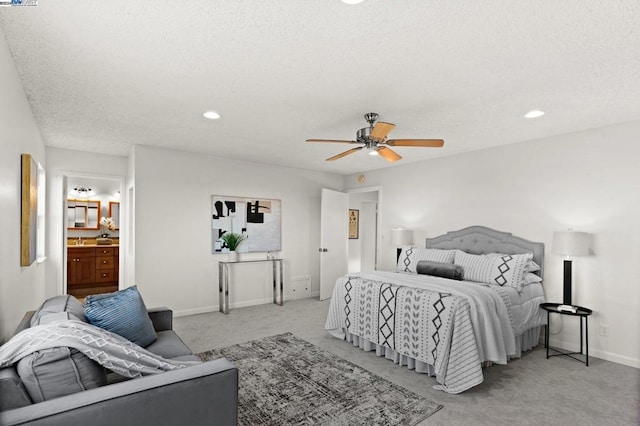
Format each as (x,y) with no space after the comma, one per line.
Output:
(195,311)
(252,303)
(315,293)
(216,308)
(607,356)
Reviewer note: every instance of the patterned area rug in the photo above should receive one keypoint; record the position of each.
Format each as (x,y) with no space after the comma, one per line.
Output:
(285,380)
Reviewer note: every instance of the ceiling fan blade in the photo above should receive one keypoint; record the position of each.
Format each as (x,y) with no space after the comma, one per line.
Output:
(330,140)
(388,154)
(344,154)
(433,143)
(381,130)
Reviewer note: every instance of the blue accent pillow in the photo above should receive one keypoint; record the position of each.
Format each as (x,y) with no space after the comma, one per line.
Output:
(122,313)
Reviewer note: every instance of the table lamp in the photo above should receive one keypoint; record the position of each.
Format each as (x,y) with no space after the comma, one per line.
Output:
(401,237)
(569,243)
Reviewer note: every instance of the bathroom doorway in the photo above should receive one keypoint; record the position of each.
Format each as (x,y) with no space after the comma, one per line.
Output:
(92,230)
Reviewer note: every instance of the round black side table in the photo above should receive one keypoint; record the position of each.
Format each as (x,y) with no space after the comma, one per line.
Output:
(581,312)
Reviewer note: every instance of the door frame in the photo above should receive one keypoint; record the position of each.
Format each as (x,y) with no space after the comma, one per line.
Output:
(378,238)
(123,230)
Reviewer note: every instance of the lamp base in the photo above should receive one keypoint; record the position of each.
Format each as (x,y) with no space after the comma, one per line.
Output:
(566,299)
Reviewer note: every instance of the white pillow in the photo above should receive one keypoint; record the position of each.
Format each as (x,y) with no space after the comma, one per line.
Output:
(530,278)
(506,269)
(532,267)
(410,256)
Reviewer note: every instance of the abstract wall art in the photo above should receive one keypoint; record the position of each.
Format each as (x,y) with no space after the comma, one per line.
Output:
(258,219)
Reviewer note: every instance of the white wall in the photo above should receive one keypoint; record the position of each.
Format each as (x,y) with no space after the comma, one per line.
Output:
(61,162)
(174,264)
(588,181)
(21,288)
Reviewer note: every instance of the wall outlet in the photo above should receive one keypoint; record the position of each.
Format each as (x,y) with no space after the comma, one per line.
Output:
(604,330)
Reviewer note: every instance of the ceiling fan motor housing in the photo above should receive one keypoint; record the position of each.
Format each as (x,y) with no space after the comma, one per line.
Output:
(363,134)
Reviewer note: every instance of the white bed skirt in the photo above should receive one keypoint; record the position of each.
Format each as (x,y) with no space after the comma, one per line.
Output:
(524,342)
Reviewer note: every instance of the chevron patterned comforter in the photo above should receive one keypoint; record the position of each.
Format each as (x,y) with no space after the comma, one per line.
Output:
(453,326)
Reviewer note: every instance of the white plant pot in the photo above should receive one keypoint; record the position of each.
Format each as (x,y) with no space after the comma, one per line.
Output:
(233,256)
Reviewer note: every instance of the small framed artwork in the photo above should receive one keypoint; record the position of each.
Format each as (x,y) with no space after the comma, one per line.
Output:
(354,222)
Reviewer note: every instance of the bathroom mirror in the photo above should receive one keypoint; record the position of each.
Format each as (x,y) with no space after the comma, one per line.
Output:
(114,212)
(83,214)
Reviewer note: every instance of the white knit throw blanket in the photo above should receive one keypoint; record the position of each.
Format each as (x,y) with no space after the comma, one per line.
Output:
(108,349)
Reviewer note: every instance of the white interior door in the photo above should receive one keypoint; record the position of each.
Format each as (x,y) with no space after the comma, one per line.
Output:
(334,239)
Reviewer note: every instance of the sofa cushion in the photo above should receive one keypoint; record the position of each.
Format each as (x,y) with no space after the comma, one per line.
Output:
(55,372)
(122,313)
(168,345)
(63,303)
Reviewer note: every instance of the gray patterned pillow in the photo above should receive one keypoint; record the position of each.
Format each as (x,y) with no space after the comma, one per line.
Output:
(506,269)
(410,256)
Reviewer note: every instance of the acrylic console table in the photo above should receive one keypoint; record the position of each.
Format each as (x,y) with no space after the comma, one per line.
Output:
(223,281)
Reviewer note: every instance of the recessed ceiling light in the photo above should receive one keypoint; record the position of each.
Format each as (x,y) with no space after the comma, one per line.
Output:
(534,113)
(211,115)
(352,1)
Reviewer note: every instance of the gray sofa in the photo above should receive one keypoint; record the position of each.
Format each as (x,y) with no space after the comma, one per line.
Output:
(205,393)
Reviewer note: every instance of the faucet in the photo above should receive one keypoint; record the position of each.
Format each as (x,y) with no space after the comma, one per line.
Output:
(80,242)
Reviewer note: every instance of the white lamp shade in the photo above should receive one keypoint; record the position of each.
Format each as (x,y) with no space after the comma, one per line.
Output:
(570,243)
(401,237)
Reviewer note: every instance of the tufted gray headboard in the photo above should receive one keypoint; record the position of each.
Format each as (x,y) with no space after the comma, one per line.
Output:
(483,240)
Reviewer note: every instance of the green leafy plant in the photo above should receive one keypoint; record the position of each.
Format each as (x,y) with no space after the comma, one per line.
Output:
(232,240)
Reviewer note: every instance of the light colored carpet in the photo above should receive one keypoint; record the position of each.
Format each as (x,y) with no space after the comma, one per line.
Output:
(528,391)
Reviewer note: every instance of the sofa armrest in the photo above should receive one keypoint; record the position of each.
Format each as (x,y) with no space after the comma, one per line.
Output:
(12,391)
(201,394)
(162,318)
(25,322)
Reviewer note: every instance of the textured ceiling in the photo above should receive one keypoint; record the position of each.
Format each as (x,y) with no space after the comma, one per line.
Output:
(102,75)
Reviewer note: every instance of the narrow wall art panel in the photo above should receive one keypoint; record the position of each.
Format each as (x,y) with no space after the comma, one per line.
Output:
(29,216)
(258,219)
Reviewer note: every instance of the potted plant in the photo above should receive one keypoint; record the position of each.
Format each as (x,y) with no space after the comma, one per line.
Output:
(232,241)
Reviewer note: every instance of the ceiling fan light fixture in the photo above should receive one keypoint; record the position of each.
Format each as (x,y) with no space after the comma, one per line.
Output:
(352,1)
(373,152)
(82,192)
(211,115)
(535,113)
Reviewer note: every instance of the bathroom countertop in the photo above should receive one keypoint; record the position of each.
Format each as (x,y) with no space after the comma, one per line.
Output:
(91,245)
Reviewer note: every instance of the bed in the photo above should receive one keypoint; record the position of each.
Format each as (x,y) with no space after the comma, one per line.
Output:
(469,299)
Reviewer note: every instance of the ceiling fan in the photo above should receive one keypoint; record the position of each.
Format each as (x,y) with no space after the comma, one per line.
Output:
(374,138)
